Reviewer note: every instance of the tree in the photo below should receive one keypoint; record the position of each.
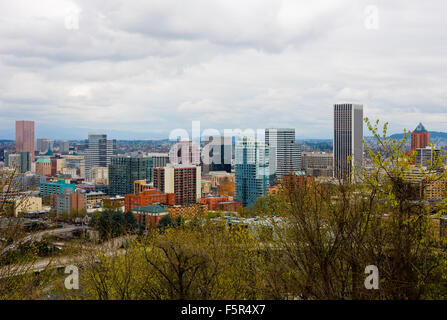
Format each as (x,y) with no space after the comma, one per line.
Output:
(332,232)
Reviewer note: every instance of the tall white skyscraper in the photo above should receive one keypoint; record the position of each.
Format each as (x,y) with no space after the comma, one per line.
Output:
(348,136)
(285,153)
(99,151)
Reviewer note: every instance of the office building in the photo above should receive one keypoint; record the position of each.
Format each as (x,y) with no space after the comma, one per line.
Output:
(25,161)
(124,171)
(14,162)
(43,167)
(25,137)
(57,164)
(99,175)
(159,159)
(217,154)
(285,153)
(43,144)
(64,147)
(184,180)
(99,151)
(50,188)
(70,201)
(252,173)
(77,163)
(427,156)
(348,136)
(420,138)
(318,164)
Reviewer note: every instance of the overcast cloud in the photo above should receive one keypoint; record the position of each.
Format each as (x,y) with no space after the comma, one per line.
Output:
(143,68)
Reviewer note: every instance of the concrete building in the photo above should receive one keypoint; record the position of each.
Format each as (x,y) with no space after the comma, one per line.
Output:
(43,167)
(64,147)
(25,137)
(184,180)
(285,153)
(348,136)
(14,162)
(57,164)
(99,151)
(49,188)
(318,164)
(68,201)
(43,144)
(94,199)
(26,204)
(99,175)
(76,162)
(25,161)
(427,156)
(252,173)
(159,159)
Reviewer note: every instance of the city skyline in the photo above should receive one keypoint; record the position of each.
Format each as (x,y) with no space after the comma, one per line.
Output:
(140,78)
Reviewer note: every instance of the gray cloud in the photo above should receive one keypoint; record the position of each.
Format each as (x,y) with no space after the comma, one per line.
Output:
(151,66)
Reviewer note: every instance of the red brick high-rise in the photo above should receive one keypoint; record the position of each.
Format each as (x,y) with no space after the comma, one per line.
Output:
(420,138)
(25,137)
(183,180)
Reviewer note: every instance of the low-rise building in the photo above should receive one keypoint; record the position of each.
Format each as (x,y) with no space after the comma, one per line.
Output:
(149,215)
(213,201)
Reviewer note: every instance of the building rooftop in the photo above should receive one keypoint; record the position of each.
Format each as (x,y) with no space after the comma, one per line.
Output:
(41,160)
(420,128)
(152,209)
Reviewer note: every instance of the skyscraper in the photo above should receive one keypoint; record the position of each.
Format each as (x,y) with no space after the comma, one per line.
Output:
(252,170)
(182,179)
(348,136)
(420,138)
(25,161)
(217,152)
(124,171)
(285,153)
(43,143)
(25,137)
(99,151)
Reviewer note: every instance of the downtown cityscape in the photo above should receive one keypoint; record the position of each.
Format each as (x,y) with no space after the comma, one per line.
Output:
(212,152)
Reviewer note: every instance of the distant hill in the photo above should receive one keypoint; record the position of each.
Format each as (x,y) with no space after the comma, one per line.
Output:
(433,135)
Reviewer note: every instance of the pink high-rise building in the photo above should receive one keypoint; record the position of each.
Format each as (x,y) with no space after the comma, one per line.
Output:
(25,137)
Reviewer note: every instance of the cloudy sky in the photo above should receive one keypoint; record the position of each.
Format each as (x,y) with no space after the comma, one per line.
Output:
(139,69)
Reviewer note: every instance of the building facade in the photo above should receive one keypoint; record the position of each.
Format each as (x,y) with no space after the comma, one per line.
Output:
(159,159)
(43,167)
(318,164)
(25,137)
(99,151)
(217,154)
(124,171)
(183,180)
(252,175)
(420,138)
(348,136)
(285,153)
